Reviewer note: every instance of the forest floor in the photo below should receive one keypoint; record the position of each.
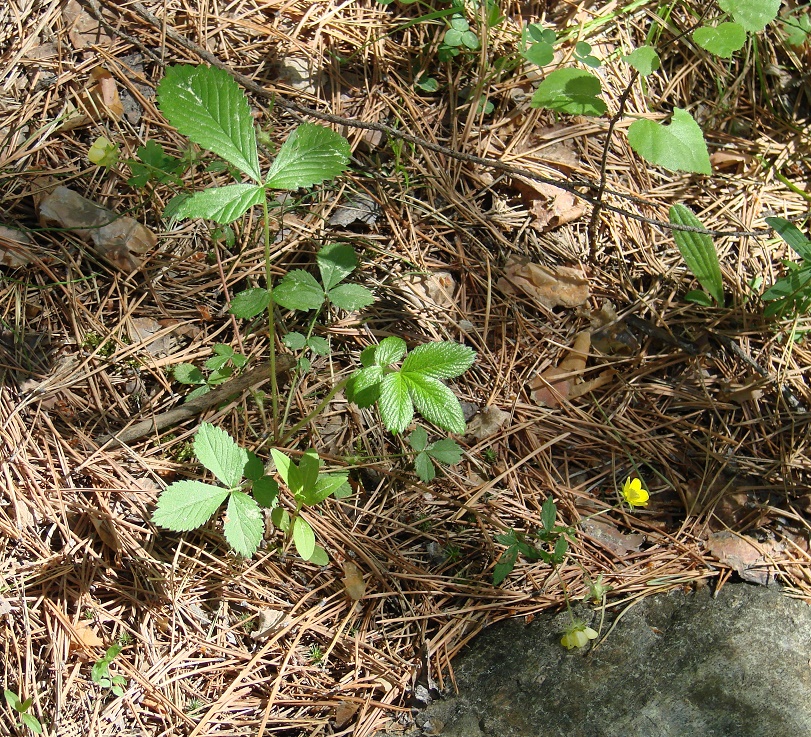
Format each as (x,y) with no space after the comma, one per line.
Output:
(708,406)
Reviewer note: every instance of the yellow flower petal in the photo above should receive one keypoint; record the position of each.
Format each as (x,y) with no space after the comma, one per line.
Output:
(634,494)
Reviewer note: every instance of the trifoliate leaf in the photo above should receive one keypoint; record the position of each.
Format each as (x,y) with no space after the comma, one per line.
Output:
(295,341)
(244,524)
(186,373)
(572,91)
(792,235)
(350,297)
(435,401)
(221,204)
(722,40)
(206,105)
(442,360)
(424,468)
(249,303)
(698,252)
(254,468)
(396,408)
(185,505)
(679,146)
(753,15)
(299,290)
(644,59)
(335,262)
(218,452)
(266,491)
(418,439)
(303,537)
(310,155)
(445,451)
(390,350)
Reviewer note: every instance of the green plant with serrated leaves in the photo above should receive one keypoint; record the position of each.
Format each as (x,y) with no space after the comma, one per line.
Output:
(221,367)
(187,505)
(417,383)
(100,672)
(790,295)
(698,251)
(549,544)
(445,452)
(21,709)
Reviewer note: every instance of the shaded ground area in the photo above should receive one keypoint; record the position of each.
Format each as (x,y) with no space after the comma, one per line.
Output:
(707,405)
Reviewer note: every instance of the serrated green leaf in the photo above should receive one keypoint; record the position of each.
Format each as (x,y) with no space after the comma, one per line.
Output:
(445,451)
(216,362)
(310,155)
(396,408)
(185,505)
(698,252)
(220,375)
(198,392)
(295,341)
(244,524)
(266,492)
(722,40)
(254,468)
(644,59)
(572,91)
(221,204)
(223,349)
(418,439)
(318,345)
(249,303)
(336,262)
(753,15)
(186,373)
(505,565)
(319,557)
(797,28)
(220,454)
(679,146)
(424,468)
(792,235)
(299,290)
(350,297)
(442,360)
(435,401)
(364,387)
(206,105)
(303,537)
(390,350)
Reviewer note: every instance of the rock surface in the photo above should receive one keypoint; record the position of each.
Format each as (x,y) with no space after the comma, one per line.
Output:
(731,665)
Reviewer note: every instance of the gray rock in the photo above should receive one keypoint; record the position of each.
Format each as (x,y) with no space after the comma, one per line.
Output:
(678,665)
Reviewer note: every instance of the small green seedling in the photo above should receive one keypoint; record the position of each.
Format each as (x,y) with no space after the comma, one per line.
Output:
(221,366)
(100,673)
(444,451)
(790,295)
(21,708)
(698,251)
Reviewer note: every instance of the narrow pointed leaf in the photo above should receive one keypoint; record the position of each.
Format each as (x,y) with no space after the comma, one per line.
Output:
(185,505)
(310,155)
(218,452)
(282,463)
(679,146)
(699,252)
(326,486)
(244,524)
(221,204)
(792,235)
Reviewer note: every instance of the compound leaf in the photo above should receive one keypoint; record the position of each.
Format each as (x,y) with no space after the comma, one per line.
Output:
(299,290)
(418,439)
(186,373)
(220,454)
(572,91)
(698,252)
(221,204)
(244,524)
(310,155)
(185,505)
(679,146)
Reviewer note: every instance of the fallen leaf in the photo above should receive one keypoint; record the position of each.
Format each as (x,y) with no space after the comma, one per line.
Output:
(83,29)
(550,287)
(359,208)
(14,248)
(605,534)
(85,636)
(344,711)
(753,562)
(119,239)
(432,291)
(105,529)
(487,422)
(154,335)
(99,101)
(555,383)
(270,621)
(353,581)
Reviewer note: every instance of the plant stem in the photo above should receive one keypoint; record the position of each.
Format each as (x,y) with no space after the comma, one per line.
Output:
(274,384)
(296,375)
(324,402)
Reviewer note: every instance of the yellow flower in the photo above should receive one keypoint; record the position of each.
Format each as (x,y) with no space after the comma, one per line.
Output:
(578,635)
(634,494)
(103,152)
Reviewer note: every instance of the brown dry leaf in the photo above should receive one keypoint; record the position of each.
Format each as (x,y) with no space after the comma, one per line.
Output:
(270,621)
(83,29)
(430,290)
(549,206)
(14,248)
(605,534)
(344,711)
(550,287)
(753,562)
(147,330)
(353,581)
(487,422)
(85,636)
(121,240)
(99,101)
(105,529)
(746,389)
(555,383)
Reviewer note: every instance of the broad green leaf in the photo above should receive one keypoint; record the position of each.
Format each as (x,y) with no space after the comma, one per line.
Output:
(792,235)
(218,452)
(283,464)
(753,15)
(540,54)
(186,373)
(418,439)
(364,387)
(390,350)
(698,252)
(319,557)
(505,565)
(12,699)
(266,492)
(303,537)
(223,349)
(198,392)
(318,345)
(309,465)
(310,155)
(295,341)
(470,39)
(336,262)
(424,467)
(722,40)
(572,91)
(254,468)
(396,408)
(221,204)
(679,146)
(185,505)
(435,401)
(30,721)
(326,485)
(445,451)
(350,297)
(299,290)
(644,59)
(216,362)
(280,518)
(442,360)
(244,524)
(206,105)
(249,303)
